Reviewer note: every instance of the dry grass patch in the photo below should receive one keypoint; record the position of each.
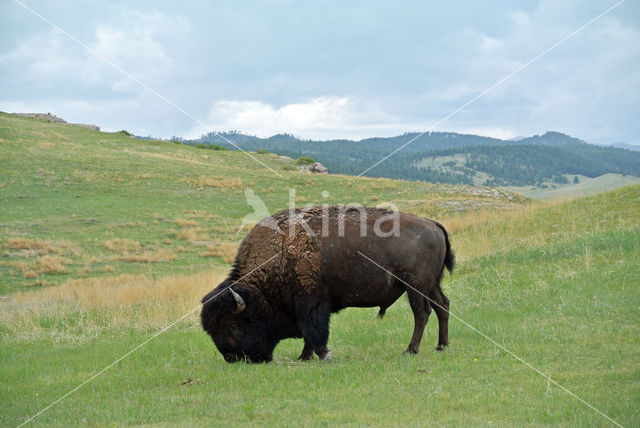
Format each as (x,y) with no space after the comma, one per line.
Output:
(59,136)
(226,250)
(186,223)
(65,248)
(30,274)
(487,231)
(246,227)
(28,244)
(90,176)
(195,213)
(19,265)
(122,245)
(52,264)
(226,227)
(191,234)
(159,256)
(217,182)
(132,301)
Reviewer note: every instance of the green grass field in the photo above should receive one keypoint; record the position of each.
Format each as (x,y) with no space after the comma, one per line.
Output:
(557,284)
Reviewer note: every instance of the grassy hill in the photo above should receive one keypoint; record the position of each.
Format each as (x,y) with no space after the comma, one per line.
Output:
(80,203)
(584,187)
(554,283)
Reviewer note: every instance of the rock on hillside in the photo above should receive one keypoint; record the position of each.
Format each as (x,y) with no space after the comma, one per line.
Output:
(55,119)
(315,167)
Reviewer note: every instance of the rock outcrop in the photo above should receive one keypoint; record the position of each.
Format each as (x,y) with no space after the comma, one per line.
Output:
(55,119)
(315,167)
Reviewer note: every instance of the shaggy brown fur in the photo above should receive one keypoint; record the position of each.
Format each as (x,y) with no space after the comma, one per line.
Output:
(318,269)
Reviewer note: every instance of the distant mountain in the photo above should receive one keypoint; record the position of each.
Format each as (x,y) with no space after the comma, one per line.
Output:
(535,161)
(449,157)
(551,138)
(626,146)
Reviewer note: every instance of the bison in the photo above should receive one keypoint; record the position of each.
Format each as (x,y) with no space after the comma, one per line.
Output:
(298,266)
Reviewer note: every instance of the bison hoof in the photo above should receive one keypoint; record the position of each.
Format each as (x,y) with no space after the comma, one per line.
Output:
(327,357)
(410,351)
(305,357)
(440,347)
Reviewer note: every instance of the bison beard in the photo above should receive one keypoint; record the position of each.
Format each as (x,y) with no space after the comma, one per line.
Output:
(314,269)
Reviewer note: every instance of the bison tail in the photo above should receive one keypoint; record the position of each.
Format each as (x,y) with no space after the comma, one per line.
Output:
(449,258)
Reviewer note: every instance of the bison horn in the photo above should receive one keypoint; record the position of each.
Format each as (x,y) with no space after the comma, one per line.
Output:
(239,302)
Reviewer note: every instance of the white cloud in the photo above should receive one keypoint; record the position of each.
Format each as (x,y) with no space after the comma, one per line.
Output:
(265,119)
(490,44)
(138,42)
(495,132)
(318,118)
(455,92)
(142,48)
(138,46)
(324,118)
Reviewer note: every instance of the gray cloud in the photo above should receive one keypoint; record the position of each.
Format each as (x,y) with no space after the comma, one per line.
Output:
(328,69)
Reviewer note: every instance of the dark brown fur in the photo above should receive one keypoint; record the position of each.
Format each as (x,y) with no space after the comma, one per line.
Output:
(310,277)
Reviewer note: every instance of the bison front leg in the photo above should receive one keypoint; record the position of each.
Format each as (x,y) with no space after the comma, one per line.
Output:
(313,321)
(307,351)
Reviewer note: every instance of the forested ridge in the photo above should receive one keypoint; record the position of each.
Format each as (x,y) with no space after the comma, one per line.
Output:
(447,157)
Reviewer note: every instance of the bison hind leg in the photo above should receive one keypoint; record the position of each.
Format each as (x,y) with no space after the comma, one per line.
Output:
(416,292)
(441,307)
(383,310)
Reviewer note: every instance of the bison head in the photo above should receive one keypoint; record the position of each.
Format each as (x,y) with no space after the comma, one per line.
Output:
(235,322)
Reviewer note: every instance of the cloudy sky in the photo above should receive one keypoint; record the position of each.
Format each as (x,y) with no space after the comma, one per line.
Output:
(326,69)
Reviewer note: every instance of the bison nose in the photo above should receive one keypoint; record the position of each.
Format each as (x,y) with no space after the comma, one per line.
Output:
(230,358)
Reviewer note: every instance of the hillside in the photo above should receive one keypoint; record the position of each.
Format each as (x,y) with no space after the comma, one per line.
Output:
(584,186)
(541,161)
(80,203)
(125,236)
(529,164)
